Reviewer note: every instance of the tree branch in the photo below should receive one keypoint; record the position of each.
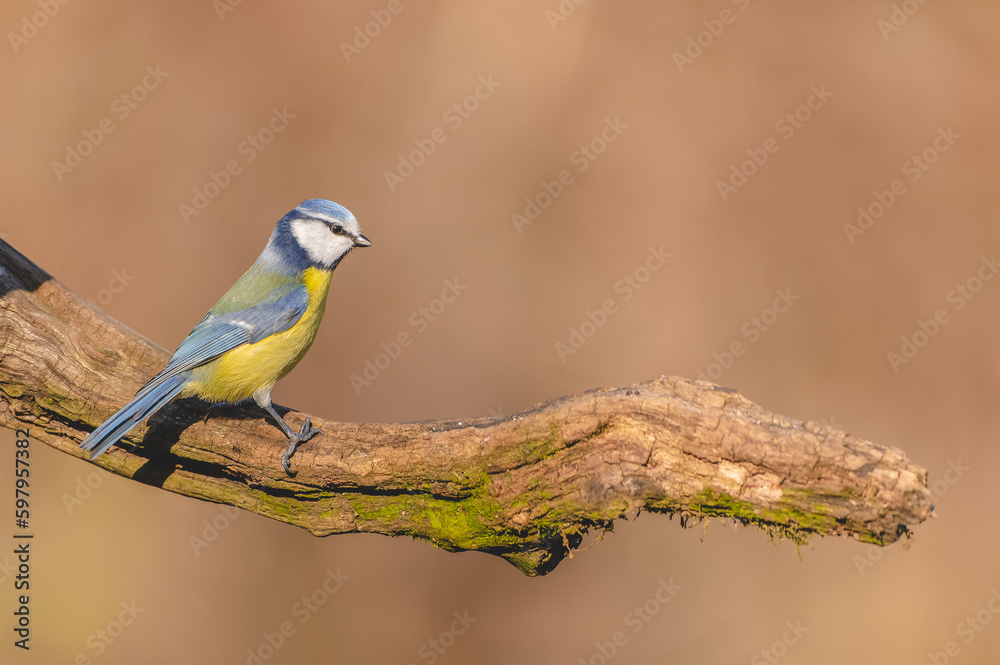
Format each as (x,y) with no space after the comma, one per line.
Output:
(525,487)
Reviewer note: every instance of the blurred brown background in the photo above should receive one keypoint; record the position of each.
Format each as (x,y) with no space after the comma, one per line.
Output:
(112,230)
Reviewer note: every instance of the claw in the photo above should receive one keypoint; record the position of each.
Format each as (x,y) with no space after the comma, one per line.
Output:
(286,457)
(305,433)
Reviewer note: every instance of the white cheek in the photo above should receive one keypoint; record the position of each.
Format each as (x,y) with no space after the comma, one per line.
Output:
(320,244)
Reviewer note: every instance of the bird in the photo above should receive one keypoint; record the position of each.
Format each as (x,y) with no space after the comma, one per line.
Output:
(257,332)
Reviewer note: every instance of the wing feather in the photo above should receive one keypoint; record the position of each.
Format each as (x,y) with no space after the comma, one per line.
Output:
(218,333)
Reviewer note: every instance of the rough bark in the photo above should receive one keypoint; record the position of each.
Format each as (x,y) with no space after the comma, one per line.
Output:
(525,487)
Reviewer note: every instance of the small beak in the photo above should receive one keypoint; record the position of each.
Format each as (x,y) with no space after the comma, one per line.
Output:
(361,241)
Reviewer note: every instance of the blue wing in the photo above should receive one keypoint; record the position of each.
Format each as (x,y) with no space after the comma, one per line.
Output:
(219,333)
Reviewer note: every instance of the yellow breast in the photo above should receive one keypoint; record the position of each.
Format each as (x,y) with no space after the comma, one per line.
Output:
(237,374)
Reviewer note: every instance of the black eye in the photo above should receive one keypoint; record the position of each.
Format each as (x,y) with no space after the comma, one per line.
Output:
(337,229)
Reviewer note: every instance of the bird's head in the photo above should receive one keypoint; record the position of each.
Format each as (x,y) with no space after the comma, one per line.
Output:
(322,230)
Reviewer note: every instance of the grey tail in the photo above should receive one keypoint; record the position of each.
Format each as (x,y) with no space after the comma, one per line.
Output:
(152,396)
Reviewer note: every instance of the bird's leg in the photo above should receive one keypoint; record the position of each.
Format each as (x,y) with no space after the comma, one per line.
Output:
(294,439)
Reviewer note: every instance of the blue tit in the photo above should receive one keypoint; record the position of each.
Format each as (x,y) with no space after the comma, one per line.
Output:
(258,331)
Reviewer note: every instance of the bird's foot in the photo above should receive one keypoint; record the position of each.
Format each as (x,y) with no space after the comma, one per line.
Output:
(208,412)
(307,432)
